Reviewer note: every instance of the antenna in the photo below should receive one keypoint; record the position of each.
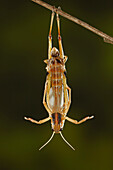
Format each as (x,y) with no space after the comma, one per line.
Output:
(66,141)
(47,141)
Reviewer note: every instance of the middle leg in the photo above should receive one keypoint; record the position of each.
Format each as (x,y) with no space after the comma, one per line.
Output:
(67,99)
(44,99)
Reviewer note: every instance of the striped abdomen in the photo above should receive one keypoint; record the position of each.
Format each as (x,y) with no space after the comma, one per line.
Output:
(56,93)
(56,72)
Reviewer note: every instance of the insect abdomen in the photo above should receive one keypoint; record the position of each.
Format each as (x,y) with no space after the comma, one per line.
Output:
(56,74)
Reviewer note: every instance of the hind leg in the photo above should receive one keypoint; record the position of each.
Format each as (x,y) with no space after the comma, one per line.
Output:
(59,37)
(50,37)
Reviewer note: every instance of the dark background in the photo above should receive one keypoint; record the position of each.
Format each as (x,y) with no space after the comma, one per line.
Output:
(24,31)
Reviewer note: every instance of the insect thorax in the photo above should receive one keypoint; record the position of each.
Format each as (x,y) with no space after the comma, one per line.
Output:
(57,122)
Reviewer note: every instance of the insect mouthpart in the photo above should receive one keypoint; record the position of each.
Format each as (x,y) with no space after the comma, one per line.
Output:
(58,130)
(54,52)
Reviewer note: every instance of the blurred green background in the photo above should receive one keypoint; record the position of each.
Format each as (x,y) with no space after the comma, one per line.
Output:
(23,47)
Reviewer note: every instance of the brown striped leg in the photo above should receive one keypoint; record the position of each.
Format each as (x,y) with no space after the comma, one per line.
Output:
(50,37)
(59,38)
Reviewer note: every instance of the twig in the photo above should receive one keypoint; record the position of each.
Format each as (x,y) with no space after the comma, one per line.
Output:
(106,38)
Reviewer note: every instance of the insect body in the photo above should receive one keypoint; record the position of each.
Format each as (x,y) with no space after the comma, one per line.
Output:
(57,94)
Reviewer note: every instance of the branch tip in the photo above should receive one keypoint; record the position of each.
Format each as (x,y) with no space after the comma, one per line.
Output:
(107,41)
(106,38)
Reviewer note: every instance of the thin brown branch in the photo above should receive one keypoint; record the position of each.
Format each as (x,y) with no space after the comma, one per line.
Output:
(106,38)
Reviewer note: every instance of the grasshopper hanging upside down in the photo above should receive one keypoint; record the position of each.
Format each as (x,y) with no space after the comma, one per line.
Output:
(57,94)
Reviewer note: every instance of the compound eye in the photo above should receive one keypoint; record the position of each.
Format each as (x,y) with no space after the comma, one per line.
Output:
(61,129)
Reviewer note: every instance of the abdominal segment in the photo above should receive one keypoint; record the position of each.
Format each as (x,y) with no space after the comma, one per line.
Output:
(56,99)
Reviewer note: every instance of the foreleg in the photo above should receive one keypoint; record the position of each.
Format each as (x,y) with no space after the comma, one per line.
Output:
(79,122)
(37,122)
